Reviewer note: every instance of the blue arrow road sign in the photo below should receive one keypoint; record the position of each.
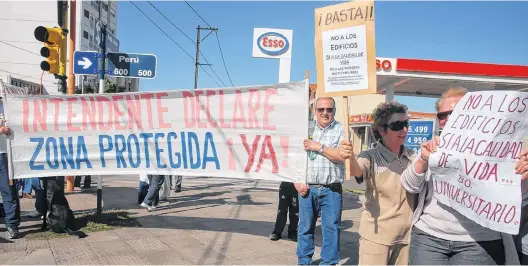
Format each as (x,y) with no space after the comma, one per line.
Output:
(85,63)
(419,131)
(132,65)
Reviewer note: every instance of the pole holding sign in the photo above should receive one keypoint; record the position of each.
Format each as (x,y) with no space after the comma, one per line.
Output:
(345,53)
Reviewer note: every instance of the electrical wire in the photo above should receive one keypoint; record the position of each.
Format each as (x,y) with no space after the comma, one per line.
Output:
(172,23)
(219,46)
(198,14)
(223,60)
(203,56)
(19,48)
(16,63)
(30,20)
(162,31)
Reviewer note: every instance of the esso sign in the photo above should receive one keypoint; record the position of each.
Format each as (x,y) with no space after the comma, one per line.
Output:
(383,65)
(273,43)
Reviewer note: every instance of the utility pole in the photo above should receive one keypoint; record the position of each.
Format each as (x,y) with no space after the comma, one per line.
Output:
(197,58)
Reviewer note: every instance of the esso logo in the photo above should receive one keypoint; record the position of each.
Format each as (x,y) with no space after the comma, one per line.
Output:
(384,65)
(273,43)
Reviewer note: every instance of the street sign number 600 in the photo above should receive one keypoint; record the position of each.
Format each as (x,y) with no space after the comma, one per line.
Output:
(121,72)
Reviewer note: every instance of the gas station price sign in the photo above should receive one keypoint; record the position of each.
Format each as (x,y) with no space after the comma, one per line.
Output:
(419,131)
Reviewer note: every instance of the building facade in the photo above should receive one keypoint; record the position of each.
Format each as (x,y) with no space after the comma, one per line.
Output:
(90,17)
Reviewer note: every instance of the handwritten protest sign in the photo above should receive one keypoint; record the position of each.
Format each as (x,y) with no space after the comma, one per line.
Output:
(240,132)
(473,169)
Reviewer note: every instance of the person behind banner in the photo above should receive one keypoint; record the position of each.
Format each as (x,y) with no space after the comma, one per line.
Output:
(439,234)
(323,189)
(386,219)
(521,239)
(10,198)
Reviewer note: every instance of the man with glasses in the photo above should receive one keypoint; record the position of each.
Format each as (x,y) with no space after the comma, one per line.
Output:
(322,192)
(441,235)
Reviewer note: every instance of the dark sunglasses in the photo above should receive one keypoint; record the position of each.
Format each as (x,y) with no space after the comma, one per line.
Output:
(398,125)
(328,110)
(443,115)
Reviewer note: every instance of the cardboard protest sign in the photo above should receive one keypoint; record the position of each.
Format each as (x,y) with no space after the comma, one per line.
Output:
(474,167)
(240,132)
(345,49)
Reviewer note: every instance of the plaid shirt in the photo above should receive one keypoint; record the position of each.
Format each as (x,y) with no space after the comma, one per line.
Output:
(321,170)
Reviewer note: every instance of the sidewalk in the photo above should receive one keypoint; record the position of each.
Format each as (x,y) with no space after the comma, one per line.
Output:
(224,223)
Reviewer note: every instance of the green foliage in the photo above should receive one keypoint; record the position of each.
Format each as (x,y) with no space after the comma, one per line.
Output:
(110,87)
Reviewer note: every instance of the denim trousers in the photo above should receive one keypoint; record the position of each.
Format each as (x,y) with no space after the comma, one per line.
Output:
(329,202)
(31,183)
(10,198)
(156,181)
(430,250)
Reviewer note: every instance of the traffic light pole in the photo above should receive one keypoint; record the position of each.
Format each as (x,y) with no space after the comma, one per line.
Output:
(71,77)
(101,90)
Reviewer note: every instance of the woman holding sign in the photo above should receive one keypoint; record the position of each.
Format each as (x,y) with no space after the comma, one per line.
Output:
(386,220)
(440,235)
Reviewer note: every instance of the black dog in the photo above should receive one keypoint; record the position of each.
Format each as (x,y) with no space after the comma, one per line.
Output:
(60,217)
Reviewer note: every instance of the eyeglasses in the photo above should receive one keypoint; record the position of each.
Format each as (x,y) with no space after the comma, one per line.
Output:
(443,115)
(398,125)
(328,110)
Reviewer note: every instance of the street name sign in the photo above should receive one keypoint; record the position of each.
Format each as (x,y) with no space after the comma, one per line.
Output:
(132,65)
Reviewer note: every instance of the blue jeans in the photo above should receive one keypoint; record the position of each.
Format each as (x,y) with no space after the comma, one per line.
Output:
(31,183)
(329,202)
(9,196)
(156,181)
(426,249)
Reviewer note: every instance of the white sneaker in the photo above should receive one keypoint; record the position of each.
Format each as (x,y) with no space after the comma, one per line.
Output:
(144,205)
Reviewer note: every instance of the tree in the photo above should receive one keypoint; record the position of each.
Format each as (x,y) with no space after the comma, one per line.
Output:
(110,87)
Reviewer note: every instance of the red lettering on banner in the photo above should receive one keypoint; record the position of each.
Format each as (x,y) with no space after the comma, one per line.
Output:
(223,124)
(100,101)
(199,109)
(253,108)
(25,113)
(268,155)
(239,109)
(71,115)
(134,111)
(89,111)
(268,108)
(188,109)
(147,97)
(56,102)
(40,115)
(208,96)
(250,151)
(161,110)
(116,99)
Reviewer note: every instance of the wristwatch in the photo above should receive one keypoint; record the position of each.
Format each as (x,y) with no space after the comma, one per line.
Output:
(321,149)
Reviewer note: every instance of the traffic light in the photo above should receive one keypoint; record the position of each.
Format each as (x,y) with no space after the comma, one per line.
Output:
(53,39)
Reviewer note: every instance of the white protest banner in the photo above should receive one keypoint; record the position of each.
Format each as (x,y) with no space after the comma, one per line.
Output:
(473,168)
(241,132)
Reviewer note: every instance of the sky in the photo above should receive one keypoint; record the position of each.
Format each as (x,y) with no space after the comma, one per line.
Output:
(488,32)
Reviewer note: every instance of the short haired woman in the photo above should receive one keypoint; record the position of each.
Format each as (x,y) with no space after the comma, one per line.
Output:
(386,220)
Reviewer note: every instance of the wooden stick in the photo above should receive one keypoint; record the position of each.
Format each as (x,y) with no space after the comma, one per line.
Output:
(347,135)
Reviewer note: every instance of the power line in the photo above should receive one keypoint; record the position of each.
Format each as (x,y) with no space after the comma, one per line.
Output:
(198,14)
(172,23)
(188,37)
(210,76)
(221,53)
(19,48)
(162,31)
(223,60)
(21,41)
(26,76)
(16,63)
(28,20)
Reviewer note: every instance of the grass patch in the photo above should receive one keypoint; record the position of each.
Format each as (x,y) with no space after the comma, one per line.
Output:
(90,222)
(357,191)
